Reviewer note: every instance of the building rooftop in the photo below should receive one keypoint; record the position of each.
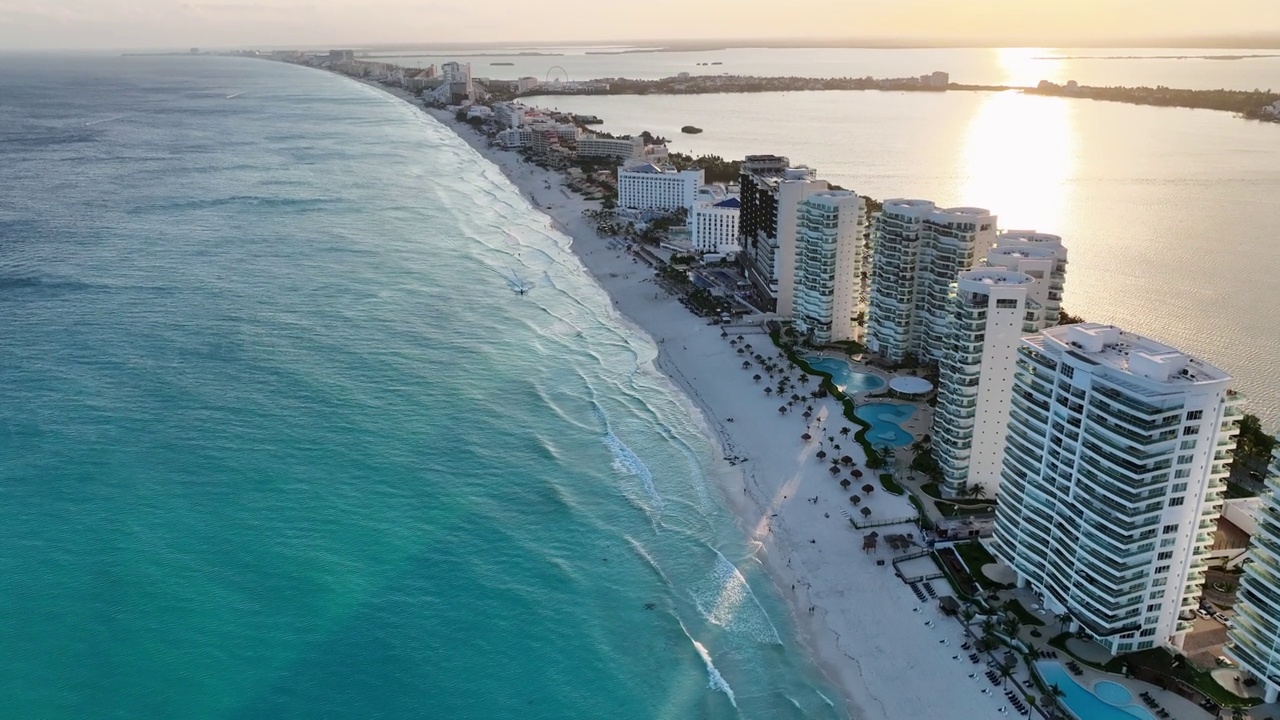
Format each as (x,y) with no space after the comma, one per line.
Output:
(729,203)
(996,276)
(1132,354)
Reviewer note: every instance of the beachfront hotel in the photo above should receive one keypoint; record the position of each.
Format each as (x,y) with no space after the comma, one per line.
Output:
(770,194)
(918,250)
(1016,291)
(646,186)
(624,148)
(1114,468)
(1254,639)
(991,310)
(828,266)
(713,222)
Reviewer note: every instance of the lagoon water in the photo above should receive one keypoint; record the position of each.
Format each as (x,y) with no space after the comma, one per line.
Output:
(278,439)
(1169,215)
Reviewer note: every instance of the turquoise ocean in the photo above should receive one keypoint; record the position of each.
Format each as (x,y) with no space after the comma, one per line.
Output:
(279,440)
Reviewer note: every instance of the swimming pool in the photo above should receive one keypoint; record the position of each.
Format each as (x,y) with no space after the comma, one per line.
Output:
(886,423)
(845,377)
(1112,701)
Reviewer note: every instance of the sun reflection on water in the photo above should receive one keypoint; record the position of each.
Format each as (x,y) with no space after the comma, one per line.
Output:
(1018,159)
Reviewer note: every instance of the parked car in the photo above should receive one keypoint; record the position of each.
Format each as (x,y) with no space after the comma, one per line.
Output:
(1224,661)
(1204,614)
(1221,618)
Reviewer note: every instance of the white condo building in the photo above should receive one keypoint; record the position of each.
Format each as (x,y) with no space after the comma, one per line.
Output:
(1040,255)
(1113,474)
(1254,640)
(647,186)
(1017,291)
(828,265)
(713,221)
(770,191)
(990,311)
(918,250)
(626,148)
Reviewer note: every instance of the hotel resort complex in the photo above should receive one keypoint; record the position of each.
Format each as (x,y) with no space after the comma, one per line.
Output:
(1083,469)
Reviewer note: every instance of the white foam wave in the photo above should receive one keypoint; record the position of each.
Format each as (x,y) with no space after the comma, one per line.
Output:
(715,680)
(725,599)
(625,461)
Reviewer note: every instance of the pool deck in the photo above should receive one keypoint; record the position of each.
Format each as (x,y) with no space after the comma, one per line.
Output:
(1178,706)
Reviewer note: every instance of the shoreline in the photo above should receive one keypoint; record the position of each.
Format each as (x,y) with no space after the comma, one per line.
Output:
(857,621)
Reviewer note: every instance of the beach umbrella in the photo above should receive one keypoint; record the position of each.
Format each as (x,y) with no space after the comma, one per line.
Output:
(806,437)
(822,454)
(856,473)
(868,489)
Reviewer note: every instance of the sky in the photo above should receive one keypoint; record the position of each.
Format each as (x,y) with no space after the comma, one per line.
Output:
(141,24)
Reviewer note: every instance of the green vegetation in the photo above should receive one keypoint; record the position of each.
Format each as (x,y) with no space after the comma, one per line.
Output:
(1254,442)
(1026,617)
(1247,103)
(975,557)
(1066,318)
(1161,661)
(716,168)
(890,485)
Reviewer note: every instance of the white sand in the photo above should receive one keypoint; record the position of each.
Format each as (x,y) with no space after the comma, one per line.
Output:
(893,656)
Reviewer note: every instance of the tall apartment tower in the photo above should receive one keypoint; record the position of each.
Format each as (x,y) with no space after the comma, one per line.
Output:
(990,308)
(1254,641)
(918,251)
(1113,474)
(770,195)
(975,372)
(1043,257)
(828,265)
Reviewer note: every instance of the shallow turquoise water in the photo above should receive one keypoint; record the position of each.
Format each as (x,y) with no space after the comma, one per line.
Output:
(845,377)
(886,420)
(278,440)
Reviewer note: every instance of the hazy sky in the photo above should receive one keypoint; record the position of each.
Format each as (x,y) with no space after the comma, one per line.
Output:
(221,23)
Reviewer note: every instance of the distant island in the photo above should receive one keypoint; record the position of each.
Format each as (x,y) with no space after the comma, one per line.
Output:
(1251,104)
(690,130)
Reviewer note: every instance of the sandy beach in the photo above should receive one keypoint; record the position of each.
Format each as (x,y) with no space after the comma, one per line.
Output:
(892,655)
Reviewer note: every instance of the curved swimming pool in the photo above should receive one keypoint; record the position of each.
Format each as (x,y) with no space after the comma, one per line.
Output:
(1087,705)
(886,423)
(844,376)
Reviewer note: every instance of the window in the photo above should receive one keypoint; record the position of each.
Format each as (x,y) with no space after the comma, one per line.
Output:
(1178,487)
(1146,644)
(1153,608)
(1162,569)
(1182,473)
(1185,459)
(1187,445)
(1170,529)
(1006,304)
(1168,542)
(1159,582)
(1124,647)
(1175,502)
(1195,415)
(1191,430)
(1147,632)
(1156,595)
(1068,371)
(1166,555)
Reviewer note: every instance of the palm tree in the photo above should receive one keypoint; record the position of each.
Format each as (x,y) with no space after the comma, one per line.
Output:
(1012,624)
(1032,702)
(976,491)
(804,379)
(1064,620)
(844,431)
(1006,672)
(967,614)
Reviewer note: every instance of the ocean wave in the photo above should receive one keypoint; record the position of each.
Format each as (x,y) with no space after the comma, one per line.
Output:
(625,461)
(715,680)
(643,553)
(725,598)
(284,203)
